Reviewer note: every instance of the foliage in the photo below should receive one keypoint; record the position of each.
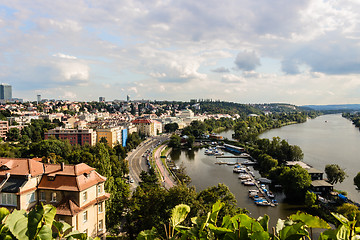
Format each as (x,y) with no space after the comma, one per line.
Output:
(350,211)
(13,134)
(171,127)
(175,141)
(310,198)
(240,226)
(334,173)
(357,180)
(37,224)
(295,182)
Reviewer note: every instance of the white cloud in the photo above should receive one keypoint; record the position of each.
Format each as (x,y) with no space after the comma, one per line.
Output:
(61,55)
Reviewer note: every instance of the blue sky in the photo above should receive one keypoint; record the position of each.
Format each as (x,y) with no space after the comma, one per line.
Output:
(299,52)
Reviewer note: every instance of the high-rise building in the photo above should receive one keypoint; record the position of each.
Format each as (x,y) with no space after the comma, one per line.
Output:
(38,98)
(128,98)
(101,99)
(5,92)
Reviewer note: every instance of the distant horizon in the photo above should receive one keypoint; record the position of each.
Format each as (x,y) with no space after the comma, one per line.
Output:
(298,52)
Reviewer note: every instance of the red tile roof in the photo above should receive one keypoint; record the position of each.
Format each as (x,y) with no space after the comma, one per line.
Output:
(142,120)
(72,178)
(20,166)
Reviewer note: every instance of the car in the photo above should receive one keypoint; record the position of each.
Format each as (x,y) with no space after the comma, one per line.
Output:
(131,180)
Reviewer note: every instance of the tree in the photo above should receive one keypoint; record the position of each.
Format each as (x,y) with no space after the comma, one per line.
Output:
(13,134)
(171,127)
(334,173)
(175,141)
(357,180)
(310,199)
(296,181)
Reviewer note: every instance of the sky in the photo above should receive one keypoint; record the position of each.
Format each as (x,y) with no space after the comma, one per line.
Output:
(299,52)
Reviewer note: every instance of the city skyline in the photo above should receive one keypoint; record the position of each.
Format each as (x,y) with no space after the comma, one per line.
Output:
(302,52)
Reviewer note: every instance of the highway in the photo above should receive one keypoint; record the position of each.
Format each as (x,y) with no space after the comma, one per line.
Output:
(137,158)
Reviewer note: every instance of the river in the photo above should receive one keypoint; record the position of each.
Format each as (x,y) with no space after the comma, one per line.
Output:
(328,139)
(324,140)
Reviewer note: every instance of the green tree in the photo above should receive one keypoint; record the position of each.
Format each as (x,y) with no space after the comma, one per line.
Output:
(13,134)
(357,180)
(171,127)
(310,198)
(295,181)
(175,141)
(334,173)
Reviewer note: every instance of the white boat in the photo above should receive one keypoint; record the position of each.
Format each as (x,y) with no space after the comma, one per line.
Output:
(244,176)
(249,183)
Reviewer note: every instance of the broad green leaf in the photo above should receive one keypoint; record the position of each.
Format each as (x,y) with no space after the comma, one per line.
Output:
(34,221)
(249,223)
(264,222)
(49,214)
(328,235)
(357,229)
(309,220)
(17,223)
(148,235)
(219,230)
(294,231)
(178,214)
(77,235)
(280,225)
(45,233)
(3,213)
(215,211)
(260,236)
(341,218)
(343,232)
(61,227)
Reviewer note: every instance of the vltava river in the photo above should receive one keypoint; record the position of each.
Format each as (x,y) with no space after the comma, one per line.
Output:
(325,140)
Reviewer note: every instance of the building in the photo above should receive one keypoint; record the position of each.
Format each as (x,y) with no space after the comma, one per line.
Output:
(4,127)
(112,135)
(38,98)
(318,184)
(75,136)
(5,92)
(77,191)
(148,127)
(101,99)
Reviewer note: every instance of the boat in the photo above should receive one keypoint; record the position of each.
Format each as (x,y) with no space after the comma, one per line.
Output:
(244,176)
(248,162)
(263,203)
(249,183)
(231,163)
(270,194)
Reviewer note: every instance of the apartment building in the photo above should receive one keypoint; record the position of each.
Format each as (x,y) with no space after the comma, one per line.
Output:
(4,127)
(75,136)
(113,135)
(148,127)
(77,191)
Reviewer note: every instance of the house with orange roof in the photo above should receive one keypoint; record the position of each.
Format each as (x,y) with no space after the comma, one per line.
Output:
(77,191)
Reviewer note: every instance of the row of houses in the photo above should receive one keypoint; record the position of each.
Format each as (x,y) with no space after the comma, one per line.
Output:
(77,191)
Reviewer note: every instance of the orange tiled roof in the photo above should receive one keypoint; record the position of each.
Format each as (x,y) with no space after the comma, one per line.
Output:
(69,207)
(20,166)
(71,178)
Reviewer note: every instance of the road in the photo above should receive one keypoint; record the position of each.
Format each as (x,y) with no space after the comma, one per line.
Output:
(137,158)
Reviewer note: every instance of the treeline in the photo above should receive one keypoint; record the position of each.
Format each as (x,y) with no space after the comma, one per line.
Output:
(247,130)
(354,117)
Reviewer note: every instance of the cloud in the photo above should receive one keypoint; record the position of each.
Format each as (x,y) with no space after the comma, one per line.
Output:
(221,70)
(230,78)
(61,55)
(247,60)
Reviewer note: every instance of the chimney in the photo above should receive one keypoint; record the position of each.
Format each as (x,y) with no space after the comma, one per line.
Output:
(62,166)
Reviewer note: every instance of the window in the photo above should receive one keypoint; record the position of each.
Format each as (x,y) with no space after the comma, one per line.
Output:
(8,199)
(85,216)
(42,196)
(53,197)
(99,189)
(101,225)
(84,196)
(31,197)
(100,206)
